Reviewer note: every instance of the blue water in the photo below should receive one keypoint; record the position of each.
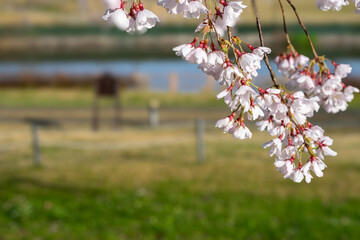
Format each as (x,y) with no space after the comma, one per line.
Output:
(191,79)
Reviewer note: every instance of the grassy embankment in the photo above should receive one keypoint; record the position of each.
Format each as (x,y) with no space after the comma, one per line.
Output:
(146,184)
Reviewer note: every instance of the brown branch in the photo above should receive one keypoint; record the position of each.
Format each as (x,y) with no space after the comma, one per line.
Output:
(266,58)
(304,28)
(219,38)
(284,23)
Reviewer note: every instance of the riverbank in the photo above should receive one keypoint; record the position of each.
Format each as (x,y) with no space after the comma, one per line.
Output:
(84,42)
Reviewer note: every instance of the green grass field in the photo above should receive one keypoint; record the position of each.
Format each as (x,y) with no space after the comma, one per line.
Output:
(54,97)
(123,185)
(141,183)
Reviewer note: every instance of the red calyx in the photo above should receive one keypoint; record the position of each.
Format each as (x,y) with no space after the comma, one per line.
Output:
(252,102)
(251,47)
(321,144)
(122,5)
(328,74)
(201,44)
(206,43)
(223,2)
(194,41)
(213,48)
(242,123)
(261,91)
(133,12)
(228,63)
(237,51)
(218,12)
(300,165)
(141,6)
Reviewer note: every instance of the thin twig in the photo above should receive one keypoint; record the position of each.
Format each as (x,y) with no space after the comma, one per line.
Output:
(219,38)
(212,25)
(284,23)
(304,28)
(266,58)
(235,54)
(307,145)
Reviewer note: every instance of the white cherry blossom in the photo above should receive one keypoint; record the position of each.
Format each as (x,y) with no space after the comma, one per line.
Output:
(120,19)
(297,176)
(145,19)
(241,132)
(233,10)
(194,9)
(197,56)
(342,70)
(173,6)
(334,5)
(275,146)
(229,73)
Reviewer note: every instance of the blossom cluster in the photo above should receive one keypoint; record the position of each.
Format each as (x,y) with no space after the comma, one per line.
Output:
(336,5)
(299,147)
(316,80)
(136,19)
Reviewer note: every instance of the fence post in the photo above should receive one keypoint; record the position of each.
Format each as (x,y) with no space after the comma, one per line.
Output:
(117,110)
(95,113)
(209,84)
(36,143)
(173,82)
(154,113)
(200,140)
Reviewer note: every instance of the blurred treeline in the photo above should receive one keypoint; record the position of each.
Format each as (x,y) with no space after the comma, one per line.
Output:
(74,29)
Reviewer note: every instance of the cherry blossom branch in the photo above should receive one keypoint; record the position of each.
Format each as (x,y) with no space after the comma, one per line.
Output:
(266,58)
(304,28)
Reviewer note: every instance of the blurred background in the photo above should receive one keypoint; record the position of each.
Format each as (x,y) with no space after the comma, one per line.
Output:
(105,135)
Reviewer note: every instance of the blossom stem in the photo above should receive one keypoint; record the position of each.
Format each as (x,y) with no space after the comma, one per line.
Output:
(266,58)
(253,85)
(304,28)
(233,48)
(307,145)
